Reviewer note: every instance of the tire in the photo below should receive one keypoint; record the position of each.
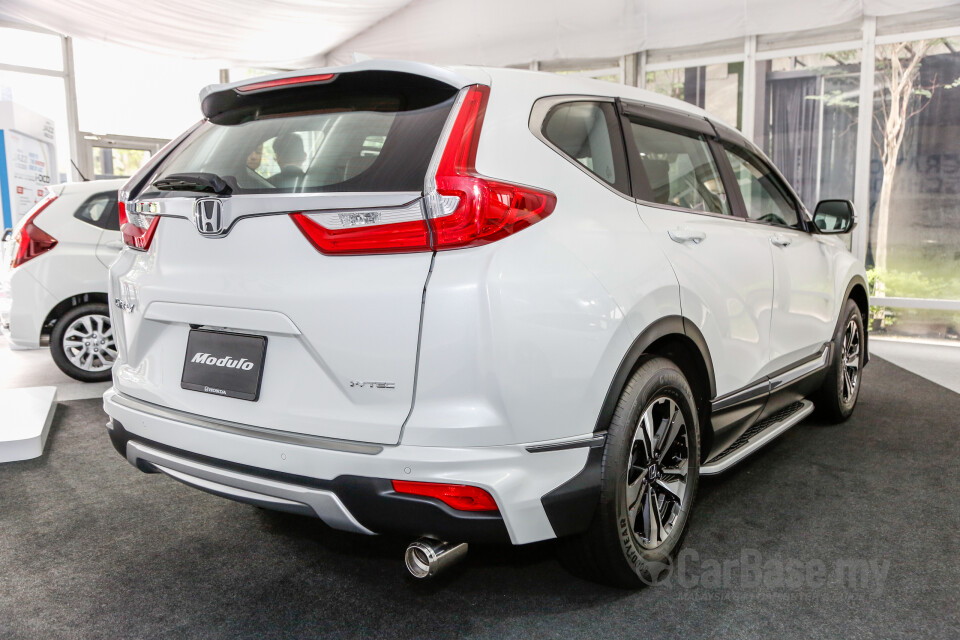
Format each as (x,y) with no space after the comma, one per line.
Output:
(82,343)
(620,547)
(836,398)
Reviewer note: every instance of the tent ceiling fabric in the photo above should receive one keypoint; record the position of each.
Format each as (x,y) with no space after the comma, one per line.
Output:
(493,32)
(271,33)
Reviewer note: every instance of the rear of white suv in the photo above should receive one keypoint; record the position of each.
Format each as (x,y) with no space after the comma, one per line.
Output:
(413,300)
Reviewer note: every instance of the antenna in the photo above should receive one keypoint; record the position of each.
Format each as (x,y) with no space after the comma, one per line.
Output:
(83,177)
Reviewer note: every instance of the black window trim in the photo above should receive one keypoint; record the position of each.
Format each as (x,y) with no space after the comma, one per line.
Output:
(668,119)
(538,114)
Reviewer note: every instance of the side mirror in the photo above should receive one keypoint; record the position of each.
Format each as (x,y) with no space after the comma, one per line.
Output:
(6,235)
(835,216)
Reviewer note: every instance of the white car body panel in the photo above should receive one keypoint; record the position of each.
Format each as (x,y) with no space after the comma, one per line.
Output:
(77,265)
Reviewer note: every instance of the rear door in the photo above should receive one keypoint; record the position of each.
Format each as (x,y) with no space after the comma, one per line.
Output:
(723,264)
(315,249)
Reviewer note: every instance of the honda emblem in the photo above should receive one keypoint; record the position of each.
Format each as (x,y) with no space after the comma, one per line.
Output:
(208,216)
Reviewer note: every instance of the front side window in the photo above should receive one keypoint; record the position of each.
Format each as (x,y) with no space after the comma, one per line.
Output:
(680,169)
(588,133)
(765,197)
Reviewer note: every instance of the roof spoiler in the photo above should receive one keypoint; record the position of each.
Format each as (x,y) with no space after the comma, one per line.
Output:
(219,98)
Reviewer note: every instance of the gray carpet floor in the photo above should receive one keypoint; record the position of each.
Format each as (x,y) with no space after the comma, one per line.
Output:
(849,531)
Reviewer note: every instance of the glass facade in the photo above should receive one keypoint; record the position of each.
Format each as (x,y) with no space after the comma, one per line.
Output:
(809,122)
(718,88)
(914,226)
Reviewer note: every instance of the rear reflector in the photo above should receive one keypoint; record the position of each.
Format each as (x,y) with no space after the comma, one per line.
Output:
(137,229)
(283,82)
(31,240)
(459,496)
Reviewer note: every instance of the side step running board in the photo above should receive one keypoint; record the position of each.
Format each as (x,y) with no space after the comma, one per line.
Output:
(756,436)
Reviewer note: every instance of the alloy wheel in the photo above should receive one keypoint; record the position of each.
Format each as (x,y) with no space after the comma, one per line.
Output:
(89,344)
(851,361)
(657,474)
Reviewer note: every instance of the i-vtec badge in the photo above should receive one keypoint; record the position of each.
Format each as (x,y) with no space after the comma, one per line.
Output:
(208,216)
(225,361)
(372,385)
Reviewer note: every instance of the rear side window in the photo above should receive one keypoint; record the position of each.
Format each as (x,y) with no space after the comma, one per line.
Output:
(100,210)
(353,135)
(588,133)
(680,169)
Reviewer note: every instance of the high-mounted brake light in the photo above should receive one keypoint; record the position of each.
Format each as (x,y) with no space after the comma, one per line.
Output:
(137,229)
(488,209)
(461,497)
(31,240)
(283,82)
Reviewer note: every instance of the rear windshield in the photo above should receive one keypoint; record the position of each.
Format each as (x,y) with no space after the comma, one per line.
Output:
(351,135)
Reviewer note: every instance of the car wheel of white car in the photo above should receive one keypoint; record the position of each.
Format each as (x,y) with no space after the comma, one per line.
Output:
(650,470)
(82,343)
(836,399)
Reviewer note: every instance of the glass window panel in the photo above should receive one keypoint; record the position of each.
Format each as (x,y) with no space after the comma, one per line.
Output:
(585,132)
(718,88)
(111,162)
(914,232)
(763,193)
(680,169)
(810,122)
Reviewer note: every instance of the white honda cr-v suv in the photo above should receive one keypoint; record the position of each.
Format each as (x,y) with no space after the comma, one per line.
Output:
(473,305)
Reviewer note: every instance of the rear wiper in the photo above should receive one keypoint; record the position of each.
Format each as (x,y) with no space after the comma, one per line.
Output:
(204,182)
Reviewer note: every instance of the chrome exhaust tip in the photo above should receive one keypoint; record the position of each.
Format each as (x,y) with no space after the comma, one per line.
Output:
(426,557)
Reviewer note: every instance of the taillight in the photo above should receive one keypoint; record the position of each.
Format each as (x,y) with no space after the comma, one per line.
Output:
(31,240)
(488,209)
(137,229)
(461,497)
(467,209)
(395,230)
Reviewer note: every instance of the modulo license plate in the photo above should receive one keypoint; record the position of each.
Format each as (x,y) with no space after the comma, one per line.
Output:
(224,364)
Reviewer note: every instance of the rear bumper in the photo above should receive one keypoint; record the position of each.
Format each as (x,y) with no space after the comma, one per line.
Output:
(348,485)
(24,305)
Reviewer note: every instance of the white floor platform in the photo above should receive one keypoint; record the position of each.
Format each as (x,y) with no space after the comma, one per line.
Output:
(25,421)
(937,361)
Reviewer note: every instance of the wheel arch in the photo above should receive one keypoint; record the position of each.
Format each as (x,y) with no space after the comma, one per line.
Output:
(858,292)
(680,341)
(69,303)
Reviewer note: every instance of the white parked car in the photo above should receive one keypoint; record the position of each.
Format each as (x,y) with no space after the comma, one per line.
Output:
(53,277)
(473,305)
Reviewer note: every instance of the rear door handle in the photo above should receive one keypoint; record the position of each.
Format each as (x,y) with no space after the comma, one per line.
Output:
(781,240)
(682,235)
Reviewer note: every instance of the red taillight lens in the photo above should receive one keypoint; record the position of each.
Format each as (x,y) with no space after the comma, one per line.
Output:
(282,82)
(481,210)
(33,241)
(137,229)
(401,237)
(459,496)
(488,209)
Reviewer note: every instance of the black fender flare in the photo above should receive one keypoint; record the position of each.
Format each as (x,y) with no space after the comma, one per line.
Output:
(665,326)
(855,281)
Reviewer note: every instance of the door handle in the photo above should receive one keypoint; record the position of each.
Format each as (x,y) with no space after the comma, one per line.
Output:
(781,240)
(682,235)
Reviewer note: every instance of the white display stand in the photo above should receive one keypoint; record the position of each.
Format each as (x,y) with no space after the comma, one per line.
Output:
(25,417)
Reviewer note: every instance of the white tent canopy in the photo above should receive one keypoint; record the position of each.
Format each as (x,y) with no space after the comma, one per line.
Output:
(496,32)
